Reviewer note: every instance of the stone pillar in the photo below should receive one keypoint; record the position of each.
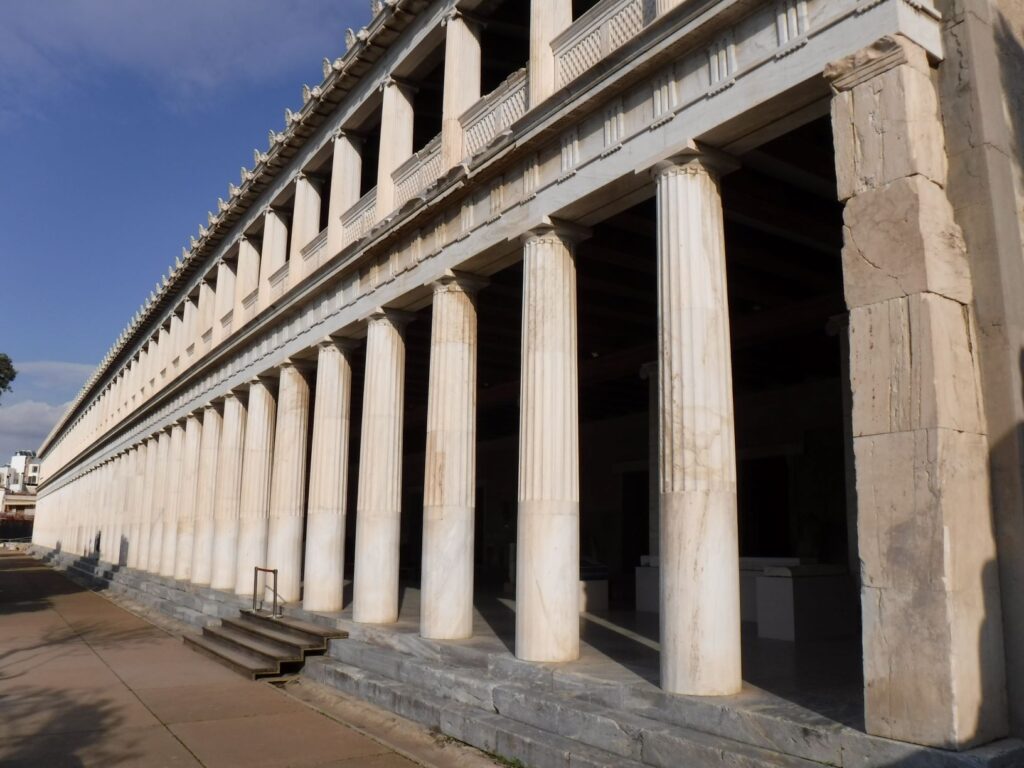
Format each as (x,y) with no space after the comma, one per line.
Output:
(449,493)
(228,498)
(346,168)
(224,301)
(156,519)
(548,19)
(933,651)
(275,252)
(188,482)
(699,547)
(138,505)
(206,493)
(328,479)
(461,82)
(148,496)
(395,140)
(247,279)
(172,501)
(257,467)
(288,489)
(305,221)
(548,537)
(379,499)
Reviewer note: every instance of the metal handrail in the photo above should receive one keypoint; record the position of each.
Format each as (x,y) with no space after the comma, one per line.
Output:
(255,584)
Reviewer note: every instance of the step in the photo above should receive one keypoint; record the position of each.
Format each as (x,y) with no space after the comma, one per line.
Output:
(489,732)
(273,628)
(243,662)
(627,735)
(281,652)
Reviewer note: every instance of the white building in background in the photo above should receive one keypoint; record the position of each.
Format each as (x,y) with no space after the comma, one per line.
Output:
(21,475)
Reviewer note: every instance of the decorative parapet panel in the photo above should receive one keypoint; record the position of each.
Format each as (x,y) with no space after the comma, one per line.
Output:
(358,220)
(313,251)
(494,113)
(416,173)
(279,281)
(605,27)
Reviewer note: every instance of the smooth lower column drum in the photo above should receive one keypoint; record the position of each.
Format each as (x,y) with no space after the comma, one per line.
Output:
(548,536)
(700,595)
(206,493)
(446,609)
(328,479)
(187,507)
(257,466)
(148,495)
(379,501)
(156,531)
(288,488)
(228,499)
(172,501)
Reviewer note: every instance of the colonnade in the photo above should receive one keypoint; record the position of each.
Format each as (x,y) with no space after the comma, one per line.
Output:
(224,489)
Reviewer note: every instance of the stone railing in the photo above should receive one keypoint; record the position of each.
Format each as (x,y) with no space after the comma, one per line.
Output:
(598,32)
(314,249)
(360,218)
(279,281)
(494,113)
(416,173)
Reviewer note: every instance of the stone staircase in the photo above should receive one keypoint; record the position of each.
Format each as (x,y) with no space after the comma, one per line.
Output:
(259,645)
(546,715)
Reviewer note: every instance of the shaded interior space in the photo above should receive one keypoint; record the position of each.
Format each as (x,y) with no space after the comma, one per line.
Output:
(800,604)
(504,40)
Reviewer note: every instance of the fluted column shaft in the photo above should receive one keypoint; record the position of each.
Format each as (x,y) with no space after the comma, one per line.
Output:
(228,498)
(206,492)
(172,507)
(288,489)
(446,608)
(396,140)
(148,498)
(188,482)
(156,521)
(461,82)
(328,480)
(547,545)
(257,466)
(700,610)
(346,167)
(379,499)
(548,18)
(137,505)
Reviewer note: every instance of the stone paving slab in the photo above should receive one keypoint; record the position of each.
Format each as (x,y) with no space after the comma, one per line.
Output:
(84,682)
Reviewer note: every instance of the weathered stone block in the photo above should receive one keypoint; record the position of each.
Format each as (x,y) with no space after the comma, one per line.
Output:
(901,239)
(913,366)
(923,510)
(885,117)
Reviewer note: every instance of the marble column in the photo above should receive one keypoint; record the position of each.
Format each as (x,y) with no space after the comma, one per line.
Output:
(449,492)
(257,467)
(275,252)
(395,140)
(228,497)
(548,18)
(224,301)
(933,646)
(148,497)
(156,520)
(206,492)
(137,512)
(346,169)
(305,223)
(288,488)
(172,501)
(188,483)
(247,279)
(379,496)
(699,558)
(548,536)
(461,82)
(328,479)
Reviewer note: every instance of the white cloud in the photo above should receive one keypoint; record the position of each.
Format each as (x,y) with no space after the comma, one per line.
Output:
(186,49)
(24,425)
(46,381)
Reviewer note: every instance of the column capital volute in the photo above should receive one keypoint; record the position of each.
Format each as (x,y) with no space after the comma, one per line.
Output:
(694,157)
(465,281)
(466,17)
(567,231)
(341,343)
(876,59)
(396,317)
(405,85)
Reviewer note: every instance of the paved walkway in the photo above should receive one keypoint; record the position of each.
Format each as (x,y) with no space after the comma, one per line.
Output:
(84,682)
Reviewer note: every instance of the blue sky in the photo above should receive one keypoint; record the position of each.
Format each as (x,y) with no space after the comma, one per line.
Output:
(121,123)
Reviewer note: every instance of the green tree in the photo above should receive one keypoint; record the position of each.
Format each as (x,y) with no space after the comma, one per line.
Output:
(7,373)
